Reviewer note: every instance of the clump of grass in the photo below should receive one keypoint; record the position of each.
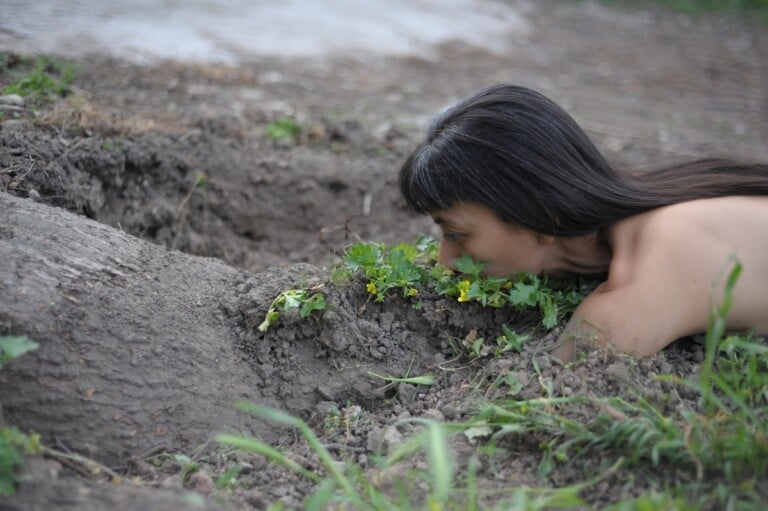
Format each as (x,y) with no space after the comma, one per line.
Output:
(717,449)
(49,79)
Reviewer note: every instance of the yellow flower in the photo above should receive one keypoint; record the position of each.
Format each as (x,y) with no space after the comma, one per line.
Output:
(371,288)
(413,291)
(463,290)
(508,284)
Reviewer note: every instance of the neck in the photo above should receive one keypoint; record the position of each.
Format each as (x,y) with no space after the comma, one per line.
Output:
(588,255)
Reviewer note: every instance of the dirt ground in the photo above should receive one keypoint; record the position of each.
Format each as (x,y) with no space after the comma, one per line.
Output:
(177,155)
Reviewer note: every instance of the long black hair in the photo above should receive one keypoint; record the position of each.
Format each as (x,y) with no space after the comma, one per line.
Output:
(515,151)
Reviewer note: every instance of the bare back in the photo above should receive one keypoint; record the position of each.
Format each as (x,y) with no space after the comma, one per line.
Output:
(670,265)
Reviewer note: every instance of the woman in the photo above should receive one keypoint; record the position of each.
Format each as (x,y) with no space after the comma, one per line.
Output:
(514,182)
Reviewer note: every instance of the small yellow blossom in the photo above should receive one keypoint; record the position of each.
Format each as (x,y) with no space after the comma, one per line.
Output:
(371,288)
(463,290)
(412,291)
(435,505)
(508,284)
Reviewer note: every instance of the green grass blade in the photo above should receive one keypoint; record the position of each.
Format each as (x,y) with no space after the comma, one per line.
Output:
(440,462)
(326,459)
(270,453)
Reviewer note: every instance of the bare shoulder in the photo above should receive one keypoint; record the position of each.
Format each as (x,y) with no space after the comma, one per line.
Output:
(693,241)
(669,267)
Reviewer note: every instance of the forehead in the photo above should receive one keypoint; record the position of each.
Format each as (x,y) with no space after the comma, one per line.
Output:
(464,215)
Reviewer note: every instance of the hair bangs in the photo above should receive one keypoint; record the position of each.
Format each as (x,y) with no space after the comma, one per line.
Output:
(426,181)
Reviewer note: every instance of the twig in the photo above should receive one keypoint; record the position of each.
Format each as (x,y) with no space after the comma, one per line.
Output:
(88,467)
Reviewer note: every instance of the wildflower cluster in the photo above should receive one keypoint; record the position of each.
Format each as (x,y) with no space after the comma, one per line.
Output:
(400,267)
(411,269)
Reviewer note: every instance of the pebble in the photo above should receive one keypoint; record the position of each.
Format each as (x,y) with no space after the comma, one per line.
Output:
(407,392)
(617,373)
(391,439)
(202,483)
(544,362)
(433,414)
(450,412)
(12,99)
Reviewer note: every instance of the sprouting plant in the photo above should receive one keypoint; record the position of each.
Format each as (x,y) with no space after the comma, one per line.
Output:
(305,300)
(387,268)
(13,440)
(283,129)
(511,340)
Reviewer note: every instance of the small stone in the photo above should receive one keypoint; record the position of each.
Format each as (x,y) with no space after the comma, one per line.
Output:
(450,412)
(617,372)
(202,483)
(433,414)
(544,362)
(374,440)
(12,99)
(407,392)
(391,439)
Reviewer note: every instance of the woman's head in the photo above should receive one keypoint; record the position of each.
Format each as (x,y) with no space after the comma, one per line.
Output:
(510,164)
(516,152)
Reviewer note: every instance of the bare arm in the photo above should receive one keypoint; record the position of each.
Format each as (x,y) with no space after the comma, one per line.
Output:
(624,320)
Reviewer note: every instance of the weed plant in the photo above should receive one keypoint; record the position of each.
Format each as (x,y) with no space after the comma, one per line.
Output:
(410,271)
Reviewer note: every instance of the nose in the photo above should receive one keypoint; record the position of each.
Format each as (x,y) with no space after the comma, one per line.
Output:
(448,254)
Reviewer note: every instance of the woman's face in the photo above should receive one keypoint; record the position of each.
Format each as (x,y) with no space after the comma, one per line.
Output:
(474,230)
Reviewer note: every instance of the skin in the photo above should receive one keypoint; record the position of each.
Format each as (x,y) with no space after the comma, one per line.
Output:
(665,268)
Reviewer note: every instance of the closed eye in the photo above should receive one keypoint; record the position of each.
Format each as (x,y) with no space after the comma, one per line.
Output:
(453,237)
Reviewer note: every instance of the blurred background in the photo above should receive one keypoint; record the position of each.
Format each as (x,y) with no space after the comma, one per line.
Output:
(228,30)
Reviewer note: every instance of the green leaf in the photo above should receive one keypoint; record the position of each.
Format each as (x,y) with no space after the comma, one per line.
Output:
(524,294)
(362,255)
(416,380)
(313,303)
(12,347)
(465,264)
(440,463)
